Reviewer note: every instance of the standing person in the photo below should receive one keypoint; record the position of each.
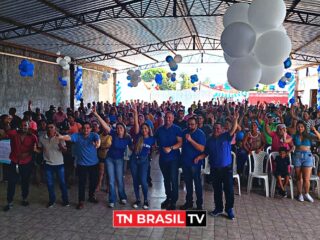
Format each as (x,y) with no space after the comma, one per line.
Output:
(22,146)
(218,148)
(115,159)
(16,120)
(303,159)
(194,141)
(169,140)
(86,144)
(59,117)
(179,121)
(139,161)
(52,155)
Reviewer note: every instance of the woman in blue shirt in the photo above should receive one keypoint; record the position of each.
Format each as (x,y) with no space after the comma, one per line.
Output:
(115,161)
(139,161)
(303,158)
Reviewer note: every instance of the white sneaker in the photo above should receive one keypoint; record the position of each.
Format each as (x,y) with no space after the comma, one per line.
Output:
(123,201)
(300,198)
(308,197)
(111,205)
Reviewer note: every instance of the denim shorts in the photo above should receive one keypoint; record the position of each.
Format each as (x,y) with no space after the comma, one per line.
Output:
(302,159)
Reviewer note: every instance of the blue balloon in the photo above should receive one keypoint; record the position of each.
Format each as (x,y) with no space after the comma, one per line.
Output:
(287,63)
(173,79)
(129,78)
(23,74)
(158,78)
(292,101)
(169,59)
(319,80)
(318,69)
(175,68)
(239,136)
(257,85)
(130,84)
(272,87)
(288,75)
(281,84)
(212,85)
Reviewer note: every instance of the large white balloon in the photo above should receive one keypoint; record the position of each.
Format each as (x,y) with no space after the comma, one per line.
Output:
(244,73)
(130,72)
(273,48)
(58,60)
(66,67)
(236,13)
(63,62)
(137,72)
(266,15)
(238,39)
(177,58)
(271,75)
(228,59)
(172,64)
(67,58)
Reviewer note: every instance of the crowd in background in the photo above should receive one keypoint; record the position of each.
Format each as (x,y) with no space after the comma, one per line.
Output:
(95,138)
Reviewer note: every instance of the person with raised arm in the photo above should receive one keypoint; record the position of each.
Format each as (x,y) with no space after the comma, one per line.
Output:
(218,148)
(115,159)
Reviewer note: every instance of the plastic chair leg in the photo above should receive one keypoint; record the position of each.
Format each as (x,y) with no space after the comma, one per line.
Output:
(291,188)
(267,187)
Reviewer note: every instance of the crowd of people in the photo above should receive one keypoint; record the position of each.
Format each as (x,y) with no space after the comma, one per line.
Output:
(95,138)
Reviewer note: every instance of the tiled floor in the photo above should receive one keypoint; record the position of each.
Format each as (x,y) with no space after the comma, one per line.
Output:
(257,217)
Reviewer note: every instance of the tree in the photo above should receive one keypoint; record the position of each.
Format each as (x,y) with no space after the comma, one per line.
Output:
(185,83)
(149,76)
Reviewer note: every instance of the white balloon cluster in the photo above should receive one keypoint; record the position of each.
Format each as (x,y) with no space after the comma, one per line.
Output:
(64,62)
(134,77)
(105,76)
(255,43)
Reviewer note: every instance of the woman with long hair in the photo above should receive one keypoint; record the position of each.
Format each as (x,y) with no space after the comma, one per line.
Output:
(303,158)
(115,159)
(139,161)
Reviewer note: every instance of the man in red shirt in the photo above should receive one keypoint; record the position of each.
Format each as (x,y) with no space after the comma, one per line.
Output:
(23,143)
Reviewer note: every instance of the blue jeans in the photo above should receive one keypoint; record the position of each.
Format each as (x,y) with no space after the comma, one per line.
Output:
(193,174)
(169,171)
(139,171)
(59,170)
(223,179)
(115,172)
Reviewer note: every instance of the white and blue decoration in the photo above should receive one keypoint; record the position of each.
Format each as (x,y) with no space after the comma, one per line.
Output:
(26,68)
(194,78)
(158,78)
(291,90)
(173,62)
(105,76)
(134,77)
(78,83)
(171,76)
(194,89)
(63,81)
(255,43)
(118,93)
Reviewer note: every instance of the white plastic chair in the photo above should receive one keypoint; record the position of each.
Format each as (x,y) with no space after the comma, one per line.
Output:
(258,171)
(272,156)
(235,172)
(314,177)
(205,170)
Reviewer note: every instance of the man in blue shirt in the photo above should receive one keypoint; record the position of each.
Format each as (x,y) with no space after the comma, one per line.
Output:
(169,140)
(194,141)
(86,144)
(218,148)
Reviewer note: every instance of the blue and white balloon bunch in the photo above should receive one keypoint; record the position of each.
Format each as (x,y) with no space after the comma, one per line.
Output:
(78,83)
(172,76)
(194,78)
(194,89)
(287,78)
(26,68)
(134,77)
(63,81)
(255,43)
(173,62)
(105,76)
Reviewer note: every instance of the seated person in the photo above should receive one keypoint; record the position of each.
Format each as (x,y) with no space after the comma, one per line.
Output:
(281,171)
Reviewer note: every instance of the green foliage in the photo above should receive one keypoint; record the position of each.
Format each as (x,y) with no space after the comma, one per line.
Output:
(185,83)
(149,75)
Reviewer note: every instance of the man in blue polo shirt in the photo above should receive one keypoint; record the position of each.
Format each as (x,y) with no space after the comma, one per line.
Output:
(169,140)
(194,141)
(218,148)
(86,144)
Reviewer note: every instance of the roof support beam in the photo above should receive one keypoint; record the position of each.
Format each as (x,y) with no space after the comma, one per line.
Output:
(186,43)
(137,10)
